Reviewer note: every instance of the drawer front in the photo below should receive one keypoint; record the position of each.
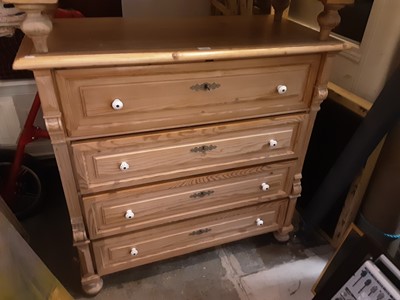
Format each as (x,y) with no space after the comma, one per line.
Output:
(120,162)
(99,102)
(131,250)
(133,209)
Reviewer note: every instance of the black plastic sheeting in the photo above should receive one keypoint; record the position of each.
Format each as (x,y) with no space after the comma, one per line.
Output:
(379,120)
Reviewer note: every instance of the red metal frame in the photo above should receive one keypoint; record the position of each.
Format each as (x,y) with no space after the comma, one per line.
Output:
(29,134)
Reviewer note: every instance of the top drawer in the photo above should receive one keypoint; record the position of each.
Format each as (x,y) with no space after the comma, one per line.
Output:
(98,102)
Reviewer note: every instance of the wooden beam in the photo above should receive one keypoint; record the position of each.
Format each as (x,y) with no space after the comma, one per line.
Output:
(352,230)
(354,198)
(356,104)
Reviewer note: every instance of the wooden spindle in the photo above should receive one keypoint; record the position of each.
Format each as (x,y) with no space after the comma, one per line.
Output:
(279,6)
(37,24)
(329,18)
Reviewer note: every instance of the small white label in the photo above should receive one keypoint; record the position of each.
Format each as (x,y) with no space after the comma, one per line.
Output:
(203,48)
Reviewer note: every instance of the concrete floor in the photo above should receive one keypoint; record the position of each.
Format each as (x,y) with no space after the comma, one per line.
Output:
(254,268)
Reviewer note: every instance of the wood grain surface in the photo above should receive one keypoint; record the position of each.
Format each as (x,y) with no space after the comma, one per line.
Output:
(168,96)
(120,41)
(172,154)
(163,203)
(113,254)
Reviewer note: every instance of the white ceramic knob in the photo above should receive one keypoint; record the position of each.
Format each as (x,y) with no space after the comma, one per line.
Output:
(134,252)
(265,186)
(124,166)
(117,104)
(273,143)
(129,214)
(281,89)
(259,222)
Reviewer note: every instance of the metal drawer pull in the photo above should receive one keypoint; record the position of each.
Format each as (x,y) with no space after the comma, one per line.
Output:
(259,222)
(124,166)
(206,86)
(282,89)
(134,252)
(203,149)
(117,104)
(265,186)
(129,214)
(200,231)
(273,143)
(201,194)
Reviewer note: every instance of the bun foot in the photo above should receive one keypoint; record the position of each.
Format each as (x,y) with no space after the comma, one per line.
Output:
(282,234)
(92,285)
(281,237)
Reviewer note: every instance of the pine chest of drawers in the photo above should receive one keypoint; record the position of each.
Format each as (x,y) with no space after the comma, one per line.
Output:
(178,135)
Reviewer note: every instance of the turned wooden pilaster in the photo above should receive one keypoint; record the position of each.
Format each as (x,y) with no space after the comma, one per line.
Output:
(279,6)
(91,281)
(282,235)
(37,24)
(329,18)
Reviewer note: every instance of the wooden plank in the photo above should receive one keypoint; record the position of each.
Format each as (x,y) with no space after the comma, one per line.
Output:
(356,104)
(354,197)
(352,229)
(353,200)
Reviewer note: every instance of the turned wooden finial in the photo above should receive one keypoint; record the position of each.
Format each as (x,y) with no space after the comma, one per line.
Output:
(37,24)
(329,18)
(279,7)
